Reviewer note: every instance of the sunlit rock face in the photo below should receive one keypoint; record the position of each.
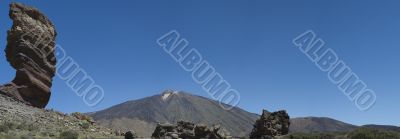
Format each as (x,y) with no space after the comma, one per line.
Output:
(30,50)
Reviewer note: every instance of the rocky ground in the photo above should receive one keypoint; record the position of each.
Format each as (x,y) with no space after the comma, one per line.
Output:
(18,120)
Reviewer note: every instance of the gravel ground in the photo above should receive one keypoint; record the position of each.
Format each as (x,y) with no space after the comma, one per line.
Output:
(18,120)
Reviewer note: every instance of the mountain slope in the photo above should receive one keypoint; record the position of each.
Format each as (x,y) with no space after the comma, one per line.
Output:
(143,114)
(318,124)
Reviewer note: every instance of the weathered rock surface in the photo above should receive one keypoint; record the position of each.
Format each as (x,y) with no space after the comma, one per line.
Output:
(188,130)
(270,125)
(30,50)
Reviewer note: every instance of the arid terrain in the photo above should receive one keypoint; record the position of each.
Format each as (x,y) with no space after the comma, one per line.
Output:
(17,120)
(171,114)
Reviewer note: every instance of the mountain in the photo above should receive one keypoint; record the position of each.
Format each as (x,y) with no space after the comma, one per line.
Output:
(318,124)
(171,106)
(143,115)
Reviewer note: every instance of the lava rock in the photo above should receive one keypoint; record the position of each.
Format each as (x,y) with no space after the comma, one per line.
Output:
(188,130)
(30,50)
(201,131)
(130,135)
(270,125)
(162,130)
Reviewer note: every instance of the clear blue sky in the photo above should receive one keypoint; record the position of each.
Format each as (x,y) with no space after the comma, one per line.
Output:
(248,42)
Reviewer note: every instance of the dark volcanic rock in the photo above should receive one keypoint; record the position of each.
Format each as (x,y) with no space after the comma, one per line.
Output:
(30,50)
(188,130)
(130,135)
(163,129)
(270,125)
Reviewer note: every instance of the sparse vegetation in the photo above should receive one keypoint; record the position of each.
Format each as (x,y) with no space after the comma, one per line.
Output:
(4,128)
(5,136)
(69,135)
(370,133)
(11,125)
(85,125)
(33,123)
(7,126)
(359,133)
(26,126)
(332,135)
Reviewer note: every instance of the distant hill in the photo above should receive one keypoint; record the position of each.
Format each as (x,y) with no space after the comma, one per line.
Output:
(318,124)
(361,132)
(383,127)
(171,106)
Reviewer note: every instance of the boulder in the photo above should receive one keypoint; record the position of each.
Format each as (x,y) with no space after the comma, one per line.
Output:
(83,117)
(188,130)
(30,50)
(163,129)
(270,125)
(201,131)
(130,135)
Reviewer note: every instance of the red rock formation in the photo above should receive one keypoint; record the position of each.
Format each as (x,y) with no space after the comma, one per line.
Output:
(30,50)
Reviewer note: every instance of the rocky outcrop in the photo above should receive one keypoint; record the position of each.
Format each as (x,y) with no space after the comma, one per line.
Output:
(188,130)
(30,50)
(270,125)
(214,132)
(130,135)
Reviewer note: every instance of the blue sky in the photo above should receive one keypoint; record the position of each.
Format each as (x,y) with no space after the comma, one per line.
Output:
(248,42)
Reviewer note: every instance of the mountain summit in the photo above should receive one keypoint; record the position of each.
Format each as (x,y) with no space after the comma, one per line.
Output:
(171,106)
